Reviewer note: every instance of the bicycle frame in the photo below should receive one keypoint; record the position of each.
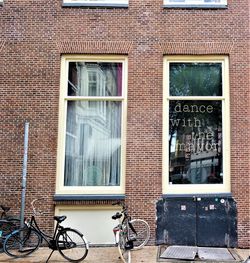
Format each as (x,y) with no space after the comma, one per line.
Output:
(124,224)
(50,240)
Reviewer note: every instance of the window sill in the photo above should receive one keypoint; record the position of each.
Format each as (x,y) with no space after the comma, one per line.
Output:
(88,5)
(196,195)
(63,197)
(196,6)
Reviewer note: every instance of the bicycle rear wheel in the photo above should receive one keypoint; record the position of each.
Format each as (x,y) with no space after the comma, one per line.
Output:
(22,242)
(72,245)
(124,253)
(142,233)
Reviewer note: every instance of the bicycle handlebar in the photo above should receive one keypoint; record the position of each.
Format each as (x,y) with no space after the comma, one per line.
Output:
(123,212)
(36,212)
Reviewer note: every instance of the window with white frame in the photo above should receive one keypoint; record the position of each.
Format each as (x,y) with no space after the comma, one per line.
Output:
(92,119)
(196,125)
(111,3)
(195,3)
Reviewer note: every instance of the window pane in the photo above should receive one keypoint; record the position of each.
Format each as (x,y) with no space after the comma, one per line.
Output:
(93,143)
(195,79)
(195,142)
(95,79)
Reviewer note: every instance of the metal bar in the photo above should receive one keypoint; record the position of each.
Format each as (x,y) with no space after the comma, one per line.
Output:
(24,174)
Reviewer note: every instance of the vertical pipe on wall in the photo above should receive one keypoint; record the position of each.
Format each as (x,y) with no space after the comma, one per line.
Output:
(25,160)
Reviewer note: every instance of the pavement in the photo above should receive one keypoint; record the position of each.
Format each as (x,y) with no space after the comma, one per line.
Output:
(106,255)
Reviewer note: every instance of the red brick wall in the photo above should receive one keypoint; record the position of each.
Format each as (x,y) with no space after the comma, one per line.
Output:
(33,35)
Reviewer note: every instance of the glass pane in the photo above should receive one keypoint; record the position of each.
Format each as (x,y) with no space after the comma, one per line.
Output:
(95,79)
(195,142)
(93,143)
(195,79)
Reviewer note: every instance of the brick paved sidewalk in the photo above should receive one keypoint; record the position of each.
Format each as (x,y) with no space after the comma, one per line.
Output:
(95,255)
(99,255)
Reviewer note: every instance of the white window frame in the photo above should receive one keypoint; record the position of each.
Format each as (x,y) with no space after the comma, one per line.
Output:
(195,3)
(197,188)
(60,188)
(96,3)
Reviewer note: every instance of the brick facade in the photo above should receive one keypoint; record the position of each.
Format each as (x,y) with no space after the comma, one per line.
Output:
(34,35)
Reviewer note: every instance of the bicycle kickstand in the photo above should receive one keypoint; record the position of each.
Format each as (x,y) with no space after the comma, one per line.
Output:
(49,256)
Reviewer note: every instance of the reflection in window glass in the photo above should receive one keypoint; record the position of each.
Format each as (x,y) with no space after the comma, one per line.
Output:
(195,79)
(95,79)
(195,142)
(93,143)
(93,127)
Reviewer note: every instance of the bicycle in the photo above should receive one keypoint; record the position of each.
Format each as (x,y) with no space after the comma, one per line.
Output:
(70,243)
(8,223)
(130,234)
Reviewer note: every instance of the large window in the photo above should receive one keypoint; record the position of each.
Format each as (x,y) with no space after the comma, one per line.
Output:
(195,3)
(91,139)
(196,125)
(94,3)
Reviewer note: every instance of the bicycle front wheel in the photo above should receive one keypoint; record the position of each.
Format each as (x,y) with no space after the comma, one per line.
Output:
(22,242)
(124,253)
(72,245)
(142,233)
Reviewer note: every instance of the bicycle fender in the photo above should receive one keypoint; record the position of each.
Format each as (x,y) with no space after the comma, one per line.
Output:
(13,232)
(69,228)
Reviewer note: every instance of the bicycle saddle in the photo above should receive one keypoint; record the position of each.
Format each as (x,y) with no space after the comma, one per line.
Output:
(59,219)
(5,208)
(116,216)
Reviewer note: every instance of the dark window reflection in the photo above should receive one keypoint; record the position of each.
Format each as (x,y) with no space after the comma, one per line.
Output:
(195,79)
(195,142)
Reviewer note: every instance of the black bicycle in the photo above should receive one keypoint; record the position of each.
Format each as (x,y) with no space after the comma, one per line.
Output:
(70,243)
